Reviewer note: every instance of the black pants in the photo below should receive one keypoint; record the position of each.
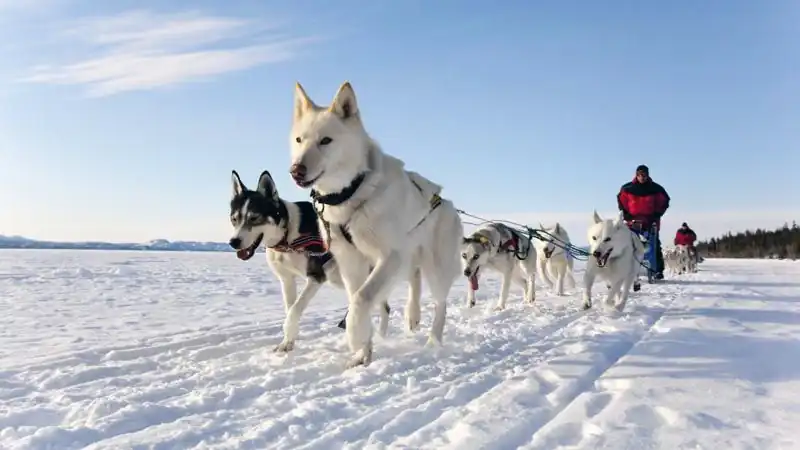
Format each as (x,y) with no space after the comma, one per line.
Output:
(659,255)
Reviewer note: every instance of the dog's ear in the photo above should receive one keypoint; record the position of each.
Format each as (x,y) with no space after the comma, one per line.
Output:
(266,186)
(344,102)
(557,228)
(541,227)
(302,103)
(238,186)
(597,218)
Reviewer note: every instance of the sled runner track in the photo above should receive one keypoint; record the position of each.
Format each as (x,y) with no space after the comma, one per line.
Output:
(526,403)
(175,363)
(469,376)
(179,374)
(383,383)
(182,381)
(563,399)
(154,345)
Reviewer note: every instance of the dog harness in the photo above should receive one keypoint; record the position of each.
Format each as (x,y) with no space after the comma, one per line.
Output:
(512,245)
(310,241)
(337,198)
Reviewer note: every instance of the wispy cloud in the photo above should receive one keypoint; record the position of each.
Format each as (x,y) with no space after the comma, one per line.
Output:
(21,5)
(140,50)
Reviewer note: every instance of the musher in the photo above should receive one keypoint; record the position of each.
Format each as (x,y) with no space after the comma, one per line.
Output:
(643,202)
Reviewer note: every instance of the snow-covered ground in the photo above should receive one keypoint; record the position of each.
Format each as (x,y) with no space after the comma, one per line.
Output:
(123,350)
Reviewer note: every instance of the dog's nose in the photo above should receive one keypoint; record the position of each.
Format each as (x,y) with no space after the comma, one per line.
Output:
(467,272)
(597,254)
(298,170)
(235,243)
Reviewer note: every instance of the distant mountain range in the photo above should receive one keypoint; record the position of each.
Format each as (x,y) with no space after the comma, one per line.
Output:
(161,245)
(154,245)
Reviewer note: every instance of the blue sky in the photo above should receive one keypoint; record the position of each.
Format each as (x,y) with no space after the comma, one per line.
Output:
(122,120)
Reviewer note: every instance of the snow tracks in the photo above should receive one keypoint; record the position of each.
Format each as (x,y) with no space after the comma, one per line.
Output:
(502,380)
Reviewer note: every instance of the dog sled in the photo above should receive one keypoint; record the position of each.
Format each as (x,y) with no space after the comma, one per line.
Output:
(650,260)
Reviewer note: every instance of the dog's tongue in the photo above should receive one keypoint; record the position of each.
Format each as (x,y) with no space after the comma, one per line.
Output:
(242,254)
(473,282)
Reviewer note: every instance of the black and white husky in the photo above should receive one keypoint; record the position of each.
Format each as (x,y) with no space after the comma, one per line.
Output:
(294,245)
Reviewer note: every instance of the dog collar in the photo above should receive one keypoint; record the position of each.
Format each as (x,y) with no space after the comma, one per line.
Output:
(283,244)
(337,198)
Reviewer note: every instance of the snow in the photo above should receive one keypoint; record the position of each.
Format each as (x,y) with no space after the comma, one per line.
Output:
(173,350)
(18,242)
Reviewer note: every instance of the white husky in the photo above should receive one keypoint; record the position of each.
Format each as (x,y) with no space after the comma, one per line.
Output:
(553,259)
(684,262)
(375,213)
(616,253)
(498,247)
(670,259)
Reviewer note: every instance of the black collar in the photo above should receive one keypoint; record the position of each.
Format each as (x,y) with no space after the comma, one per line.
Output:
(337,198)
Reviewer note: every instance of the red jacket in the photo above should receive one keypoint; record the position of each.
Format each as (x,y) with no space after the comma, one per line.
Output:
(645,202)
(685,236)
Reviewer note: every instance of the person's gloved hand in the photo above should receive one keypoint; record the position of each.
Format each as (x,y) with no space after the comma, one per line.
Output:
(655,218)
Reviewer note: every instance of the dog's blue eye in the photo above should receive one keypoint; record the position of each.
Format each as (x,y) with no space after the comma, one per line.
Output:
(325,141)
(594,238)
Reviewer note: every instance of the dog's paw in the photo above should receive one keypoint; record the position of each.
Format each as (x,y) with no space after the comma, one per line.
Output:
(587,305)
(412,318)
(362,358)
(433,342)
(412,324)
(499,308)
(284,347)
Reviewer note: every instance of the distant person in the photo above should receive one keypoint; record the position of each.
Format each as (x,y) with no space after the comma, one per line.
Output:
(686,236)
(643,201)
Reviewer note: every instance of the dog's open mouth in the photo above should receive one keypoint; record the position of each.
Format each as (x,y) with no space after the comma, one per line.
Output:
(247,253)
(473,280)
(602,260)
(548,252)
(307,183)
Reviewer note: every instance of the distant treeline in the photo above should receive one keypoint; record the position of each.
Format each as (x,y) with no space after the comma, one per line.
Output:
(782,243)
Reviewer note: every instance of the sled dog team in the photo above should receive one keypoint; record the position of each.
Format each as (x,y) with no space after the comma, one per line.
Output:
(372,223)
(679,259)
